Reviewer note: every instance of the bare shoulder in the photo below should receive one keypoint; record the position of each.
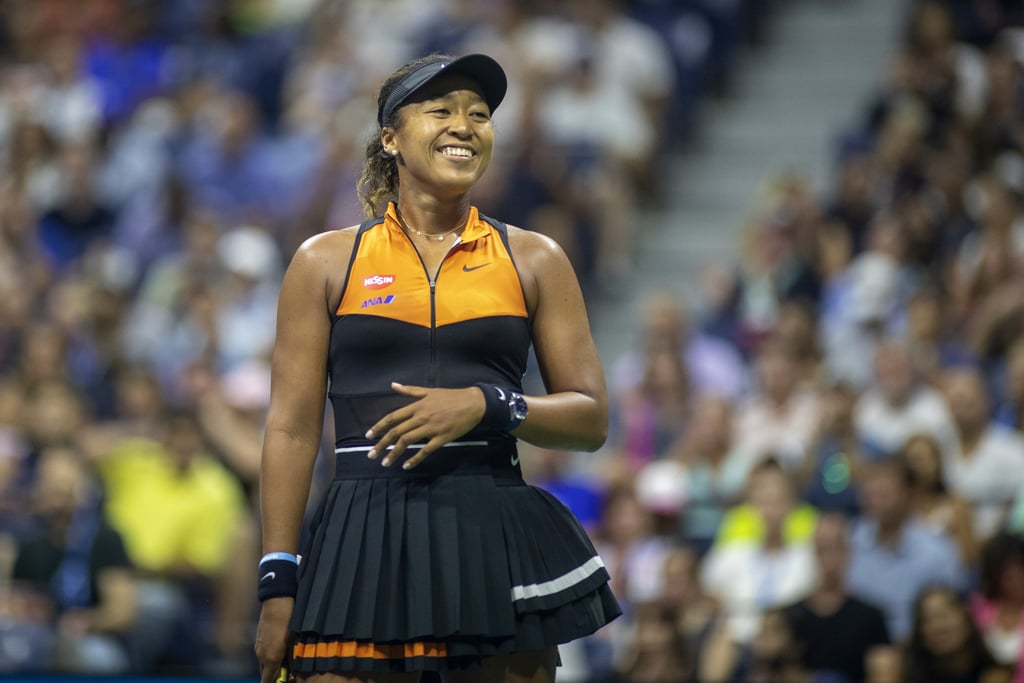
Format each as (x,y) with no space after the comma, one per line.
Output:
(535,253)
(326,248)
(543,267)
(322,261)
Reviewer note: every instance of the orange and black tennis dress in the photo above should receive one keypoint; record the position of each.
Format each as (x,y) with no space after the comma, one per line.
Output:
(458,559)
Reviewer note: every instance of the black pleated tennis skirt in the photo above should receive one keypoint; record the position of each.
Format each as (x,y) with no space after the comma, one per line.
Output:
(442,566)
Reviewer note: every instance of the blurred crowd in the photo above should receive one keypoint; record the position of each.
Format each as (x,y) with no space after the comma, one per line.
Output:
(161,160)
(815,473)
(815,470)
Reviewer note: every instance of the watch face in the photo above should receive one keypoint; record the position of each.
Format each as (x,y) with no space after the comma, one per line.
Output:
(518,407)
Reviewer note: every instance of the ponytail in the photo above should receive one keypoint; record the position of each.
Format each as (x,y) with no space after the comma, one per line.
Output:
(379,180)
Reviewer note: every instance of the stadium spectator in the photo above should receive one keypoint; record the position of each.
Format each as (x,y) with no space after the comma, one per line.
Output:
(182,515)
(77,564)
(631,64)
(860,299)
(656,651)
(989,256)
(987,466)
(231,408)
(946,512)
(929,334)
(796,331)
(53,414)
(697,612)
(899,405)
(714,366)
(80,218)
(830,471)
(651,415)
(852,205)
(629,547)
(998,606)
(169,323)
(128,59)
(767,570)
(780,415)
(894,556)
(945,645)
(773,655)
(834,630)
(246,302)
(775,652)
(716,473)
(71,105)
(767,483)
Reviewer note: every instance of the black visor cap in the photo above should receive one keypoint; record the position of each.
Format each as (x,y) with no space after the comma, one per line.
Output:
(481,69)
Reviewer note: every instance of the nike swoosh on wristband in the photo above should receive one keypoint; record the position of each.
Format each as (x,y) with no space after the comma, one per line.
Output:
(467,269)
(268,575)
(515,459)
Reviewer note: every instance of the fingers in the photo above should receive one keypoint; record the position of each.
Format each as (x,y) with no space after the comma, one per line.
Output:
(419,440)
(385,428)
(421,454)
(423,426)
(273,640)
(409,389)
(393,452)
(391,419)
(271,670)
(395,435)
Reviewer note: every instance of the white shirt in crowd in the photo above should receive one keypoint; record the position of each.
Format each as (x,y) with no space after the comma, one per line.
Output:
(762,429)
(887,428)
(747,579)
(991,477)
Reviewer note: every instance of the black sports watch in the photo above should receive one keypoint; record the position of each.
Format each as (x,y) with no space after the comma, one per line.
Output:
(517,410)
(504,409)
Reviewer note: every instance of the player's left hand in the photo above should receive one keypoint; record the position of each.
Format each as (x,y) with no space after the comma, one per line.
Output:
(436,417)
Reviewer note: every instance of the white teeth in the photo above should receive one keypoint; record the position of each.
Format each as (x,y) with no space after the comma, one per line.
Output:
(456,152)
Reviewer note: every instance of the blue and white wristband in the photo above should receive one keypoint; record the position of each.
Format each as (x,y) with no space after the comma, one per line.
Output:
(278,576)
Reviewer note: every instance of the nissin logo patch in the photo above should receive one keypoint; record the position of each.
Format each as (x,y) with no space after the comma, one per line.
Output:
(378,281)
(378,301)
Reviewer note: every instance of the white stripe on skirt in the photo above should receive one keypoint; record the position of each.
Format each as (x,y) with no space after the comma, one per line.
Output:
(567,580)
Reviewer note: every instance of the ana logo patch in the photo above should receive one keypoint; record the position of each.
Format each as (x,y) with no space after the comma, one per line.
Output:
(378,281)
(378,301)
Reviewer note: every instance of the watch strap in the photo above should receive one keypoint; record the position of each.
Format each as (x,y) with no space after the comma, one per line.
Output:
(498,407)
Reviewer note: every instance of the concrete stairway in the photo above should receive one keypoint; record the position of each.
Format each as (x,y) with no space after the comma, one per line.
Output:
(790,98)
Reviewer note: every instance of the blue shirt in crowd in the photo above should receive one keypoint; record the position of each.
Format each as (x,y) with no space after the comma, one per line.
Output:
(891,577)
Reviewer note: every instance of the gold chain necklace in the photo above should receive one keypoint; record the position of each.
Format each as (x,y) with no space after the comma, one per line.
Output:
(430,235)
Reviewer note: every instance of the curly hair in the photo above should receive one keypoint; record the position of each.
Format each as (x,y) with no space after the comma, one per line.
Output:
(379,180)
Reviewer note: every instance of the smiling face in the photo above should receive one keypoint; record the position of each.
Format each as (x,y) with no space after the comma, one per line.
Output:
(444,137)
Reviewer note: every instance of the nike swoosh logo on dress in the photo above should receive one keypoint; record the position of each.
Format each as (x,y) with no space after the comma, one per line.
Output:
(467,269)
